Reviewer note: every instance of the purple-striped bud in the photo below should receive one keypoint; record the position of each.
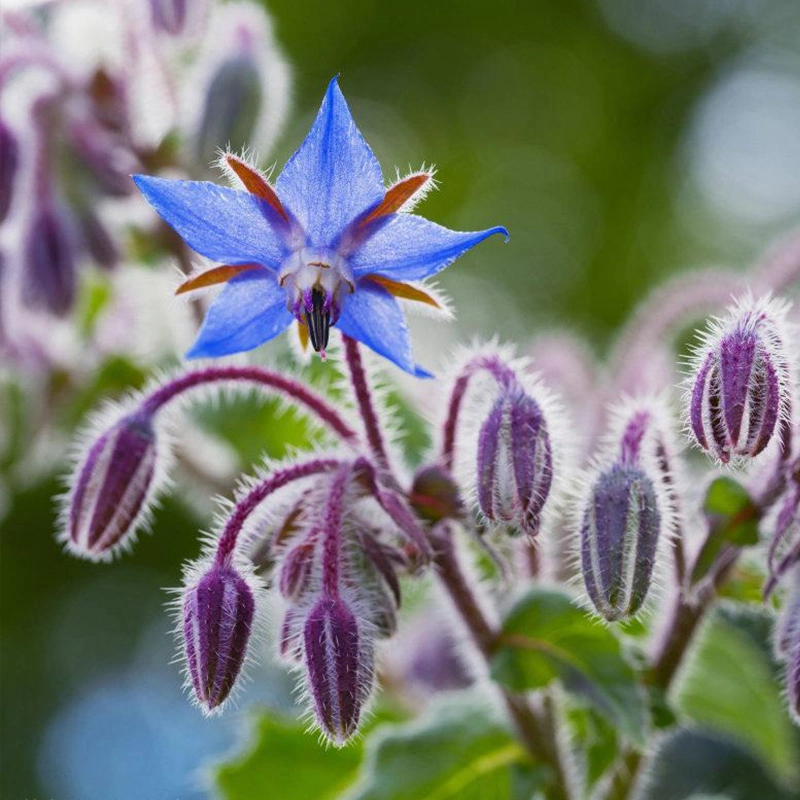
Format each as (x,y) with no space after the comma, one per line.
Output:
(49,279)
(619,540)
(339,665)
(218,614)
(9,162)
(742,381)
(515,461)
(112,489)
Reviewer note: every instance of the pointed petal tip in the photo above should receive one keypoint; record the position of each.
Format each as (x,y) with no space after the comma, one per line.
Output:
(501,230)
(421,372)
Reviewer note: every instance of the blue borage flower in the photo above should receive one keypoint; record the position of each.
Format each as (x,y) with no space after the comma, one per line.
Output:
(329,244)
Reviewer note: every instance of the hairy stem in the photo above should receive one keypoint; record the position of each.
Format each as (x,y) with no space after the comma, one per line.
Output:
(268,379)
(537,732)
(358,378)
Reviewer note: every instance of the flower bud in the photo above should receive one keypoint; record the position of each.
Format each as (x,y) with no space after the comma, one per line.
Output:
(784,549)
(339,664)
(435,496)
(9,162)
(515,461)
(231,110)
(298,563)
(218,614)
(112,489)
(97,241)
(742,381)
(619,539)
(787,626)
(49,279)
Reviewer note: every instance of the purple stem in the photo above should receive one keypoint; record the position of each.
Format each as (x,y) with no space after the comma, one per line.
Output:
(280,384)
(242,510)
(489,363)
(332,543)
(363,396)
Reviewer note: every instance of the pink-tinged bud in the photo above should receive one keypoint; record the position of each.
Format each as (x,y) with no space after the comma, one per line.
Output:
(742,381)
(9,163)
(515,461)
(49,279)
(218,614)
(169,16)
(619,540)
(339,664)
(435,496)
(112,489)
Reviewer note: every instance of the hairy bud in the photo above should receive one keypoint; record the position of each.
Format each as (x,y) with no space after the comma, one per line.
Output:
(619,540)
(295,574)
(784,549)
(435,496)
(112,489)
(742,381)
(49,279)
(339,664)
(218,613)
(515,461)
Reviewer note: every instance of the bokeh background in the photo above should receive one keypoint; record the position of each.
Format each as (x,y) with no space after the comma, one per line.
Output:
(620,141)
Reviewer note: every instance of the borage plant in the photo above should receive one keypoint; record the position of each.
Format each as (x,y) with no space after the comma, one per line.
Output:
(579,589)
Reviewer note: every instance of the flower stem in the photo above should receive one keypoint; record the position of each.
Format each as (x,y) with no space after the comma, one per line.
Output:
(363,396)
(242,510)
(537,733)
(273,381)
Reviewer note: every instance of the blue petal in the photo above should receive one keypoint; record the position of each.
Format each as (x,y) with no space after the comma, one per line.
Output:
(222,224)
(333,176)
(249,311)
(410,248)
(374,317)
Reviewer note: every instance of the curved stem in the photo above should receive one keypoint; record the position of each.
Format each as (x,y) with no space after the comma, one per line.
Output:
(245,507)
(274,381)
(358,378)
(489,363)
(332,543)
(537,733)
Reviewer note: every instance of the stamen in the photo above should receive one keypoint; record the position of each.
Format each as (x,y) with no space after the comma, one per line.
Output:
(318,320)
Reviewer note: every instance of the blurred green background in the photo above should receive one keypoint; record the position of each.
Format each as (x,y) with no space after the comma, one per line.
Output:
(619,141)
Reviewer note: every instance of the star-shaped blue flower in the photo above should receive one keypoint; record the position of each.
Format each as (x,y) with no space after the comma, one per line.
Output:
(328,245)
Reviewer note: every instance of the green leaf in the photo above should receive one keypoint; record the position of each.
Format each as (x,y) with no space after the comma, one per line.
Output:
(546,637)
(289,763)
(728,685)
(732,518)
(594,742)
(459,749)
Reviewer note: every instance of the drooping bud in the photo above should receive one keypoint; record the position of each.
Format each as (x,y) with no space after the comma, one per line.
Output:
(218,613)
(9,162)
(231,109)
(297,566)
(49,279)
(515,461)
(619,540)
(742,381)
(339,664)
(112,489)
(784,549)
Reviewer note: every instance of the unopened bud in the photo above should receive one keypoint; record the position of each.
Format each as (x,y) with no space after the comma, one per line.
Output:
(435,496)
(218,614)
(297,566)
(339,663)
(169,16)
(112,489)
(742,381)
(98,241)
(49,279)
(784,549)
(619,540)
(231,110)
(515,461)
(9,162)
